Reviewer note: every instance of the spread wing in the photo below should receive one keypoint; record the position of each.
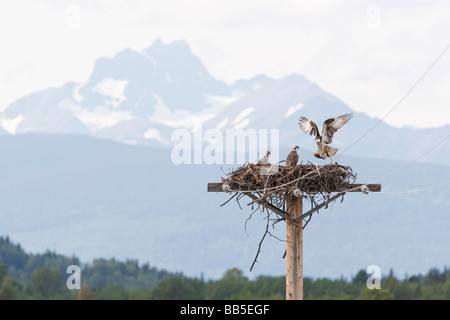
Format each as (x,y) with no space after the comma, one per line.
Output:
(332,125)
(307,125)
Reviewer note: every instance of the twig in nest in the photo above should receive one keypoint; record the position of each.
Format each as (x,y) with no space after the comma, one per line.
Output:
(260,243)
(315,183)
(307,222)
(246,220)
(239,198)
(234,195)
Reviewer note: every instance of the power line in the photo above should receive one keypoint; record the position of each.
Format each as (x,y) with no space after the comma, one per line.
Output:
(399,102)
(415,190)
(416,159)
(368,131)
(376,180)
(405,165)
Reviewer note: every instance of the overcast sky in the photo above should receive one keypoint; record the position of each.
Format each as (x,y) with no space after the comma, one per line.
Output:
(367,53)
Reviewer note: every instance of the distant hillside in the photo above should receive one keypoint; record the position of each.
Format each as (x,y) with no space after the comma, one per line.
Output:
(22,265)
(43,277)
(101,199)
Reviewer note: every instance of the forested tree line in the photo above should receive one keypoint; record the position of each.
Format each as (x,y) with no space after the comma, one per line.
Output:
(43,276)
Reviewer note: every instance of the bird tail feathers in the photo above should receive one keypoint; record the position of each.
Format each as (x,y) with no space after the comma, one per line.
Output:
(327,152)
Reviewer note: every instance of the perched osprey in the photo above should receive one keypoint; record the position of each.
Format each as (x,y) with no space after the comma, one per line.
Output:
(330,126)
(292,157)
(265,159)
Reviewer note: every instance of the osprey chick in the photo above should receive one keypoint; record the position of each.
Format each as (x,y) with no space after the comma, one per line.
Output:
(265,159)
(292,157)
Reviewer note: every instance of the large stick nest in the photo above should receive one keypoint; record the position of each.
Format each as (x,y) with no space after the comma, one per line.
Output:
(269,186)
(270,180)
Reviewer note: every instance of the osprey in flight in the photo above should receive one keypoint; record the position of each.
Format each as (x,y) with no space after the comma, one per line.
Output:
(330,126)
(292,157)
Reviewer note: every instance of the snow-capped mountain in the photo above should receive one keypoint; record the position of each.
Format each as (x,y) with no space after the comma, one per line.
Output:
(97,198)
(281,103)
(132,97)
(137,81)
(141,97)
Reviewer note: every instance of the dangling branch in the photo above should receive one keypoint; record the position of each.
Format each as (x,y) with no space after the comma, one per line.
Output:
(269,191)
(260,243)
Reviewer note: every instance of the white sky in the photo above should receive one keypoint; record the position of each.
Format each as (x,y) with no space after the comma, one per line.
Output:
(367,53)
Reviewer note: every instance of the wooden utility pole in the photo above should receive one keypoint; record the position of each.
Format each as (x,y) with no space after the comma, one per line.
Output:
(294,249)
(294,228)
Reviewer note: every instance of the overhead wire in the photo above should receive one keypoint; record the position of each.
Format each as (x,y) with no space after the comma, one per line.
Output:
(405,165)
(372,128)
(415,190)
(399,102)
(390,111)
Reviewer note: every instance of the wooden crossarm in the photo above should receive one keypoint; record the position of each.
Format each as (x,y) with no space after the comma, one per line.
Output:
(354,187)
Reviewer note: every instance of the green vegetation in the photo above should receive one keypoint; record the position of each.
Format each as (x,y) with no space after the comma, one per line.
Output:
(43,276)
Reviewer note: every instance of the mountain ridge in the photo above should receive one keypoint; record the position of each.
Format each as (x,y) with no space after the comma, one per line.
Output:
(141,97)
(97,198)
